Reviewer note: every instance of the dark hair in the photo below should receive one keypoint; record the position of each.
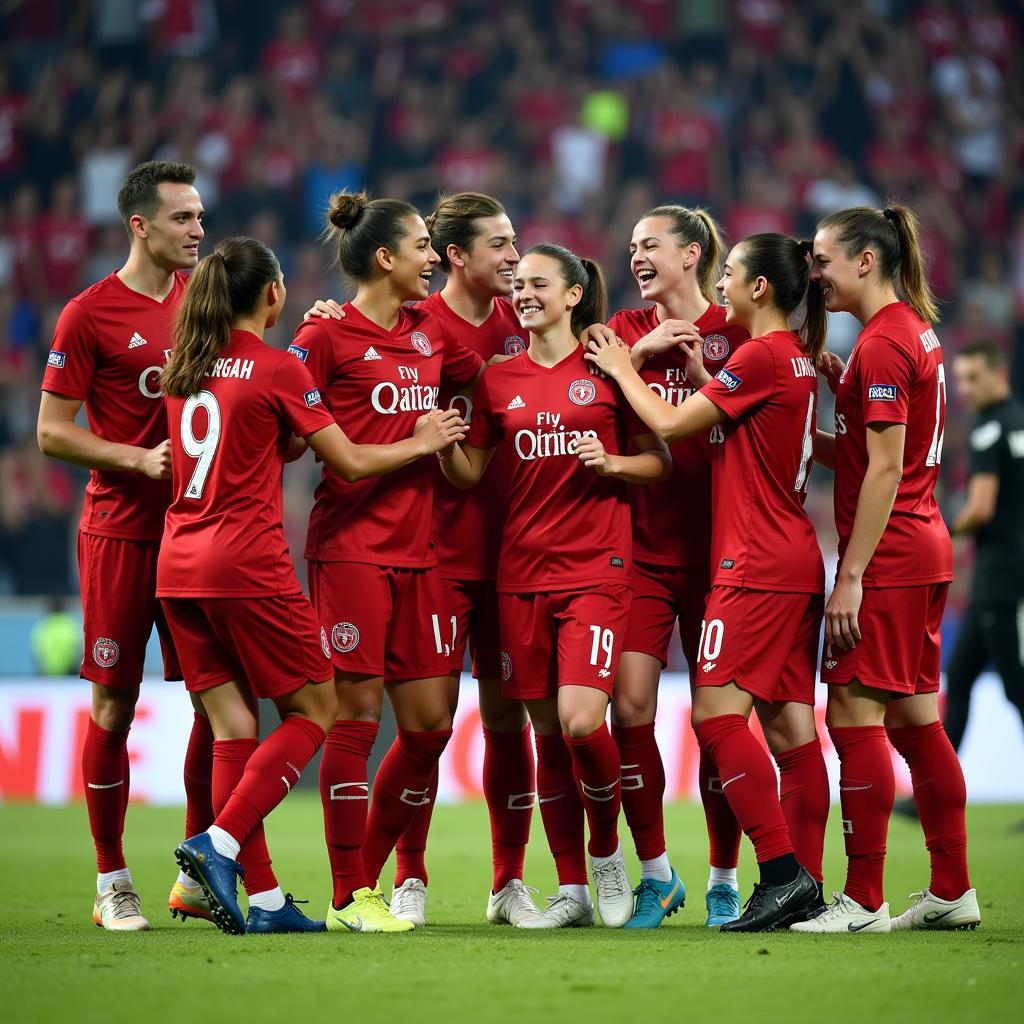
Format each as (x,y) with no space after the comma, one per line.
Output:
(453,222)
(225,285)
(359,226)
(139,195)
(593,307)
(784,263)
(696,225)
(891,234)
(993,354)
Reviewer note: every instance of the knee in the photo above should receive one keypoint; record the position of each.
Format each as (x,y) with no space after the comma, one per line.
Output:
(113,710)
(357,705)
(631,710)
(324,707)
(499,714)
(580,722)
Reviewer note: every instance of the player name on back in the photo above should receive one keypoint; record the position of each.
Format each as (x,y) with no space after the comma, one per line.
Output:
(233,367)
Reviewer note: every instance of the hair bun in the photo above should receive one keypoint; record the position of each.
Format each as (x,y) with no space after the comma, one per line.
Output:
(345,208)
(889,213)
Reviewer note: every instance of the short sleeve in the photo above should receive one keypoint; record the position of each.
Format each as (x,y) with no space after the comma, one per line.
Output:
(298,399)
(484,429)
(745,382)
(885,373)
(460,365)
(313,347)
(72,359)
(983,447)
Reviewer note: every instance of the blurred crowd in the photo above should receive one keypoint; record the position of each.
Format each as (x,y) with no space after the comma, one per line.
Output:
(578,114)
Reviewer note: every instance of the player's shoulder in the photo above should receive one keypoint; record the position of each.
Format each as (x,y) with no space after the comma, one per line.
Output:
(99,293)
(898,326)
(632,324)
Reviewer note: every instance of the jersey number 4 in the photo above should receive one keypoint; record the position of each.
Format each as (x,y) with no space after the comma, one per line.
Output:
(202,449)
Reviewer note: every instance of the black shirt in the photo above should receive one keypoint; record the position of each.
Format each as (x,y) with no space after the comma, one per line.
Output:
(997,447)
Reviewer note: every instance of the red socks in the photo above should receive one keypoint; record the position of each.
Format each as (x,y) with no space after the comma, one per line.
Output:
(509,781)
(198,775)
(229,760)
(723,829)
(941,797)
(866,793)
(410,851)
(561,809)
(749,783)
(402,785)
(597,768)
(345,795)
(269,776)
(643,788)
(105,774)
(803,784)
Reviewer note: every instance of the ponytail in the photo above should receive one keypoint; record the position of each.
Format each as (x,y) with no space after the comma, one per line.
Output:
(892,235)
(225,285)
(691,225)
(593,306)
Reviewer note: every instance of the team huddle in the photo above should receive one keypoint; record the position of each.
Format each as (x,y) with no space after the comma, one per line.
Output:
(509,469)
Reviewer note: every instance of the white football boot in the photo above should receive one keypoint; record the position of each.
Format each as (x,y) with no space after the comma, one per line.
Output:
(563,911)
(614,893)
(118,909)
(512,904)
(846,915)
(929,913)
(409,902)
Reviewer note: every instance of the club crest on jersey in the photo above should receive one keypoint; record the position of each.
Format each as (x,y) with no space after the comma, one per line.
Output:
(421,343)
(325,644)
(730,380)
(716,347)
(345,637)
(56,359)
(299,352)
(582,391)
(105,652)
(514,345)
(883,392)
(506,667)
(312,398)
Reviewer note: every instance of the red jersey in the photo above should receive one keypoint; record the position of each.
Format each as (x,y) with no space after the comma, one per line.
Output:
(566,526)
(467,524)
(761,537)
(224,536)
(672,519)
(109,347)
(377,383)
(895,375)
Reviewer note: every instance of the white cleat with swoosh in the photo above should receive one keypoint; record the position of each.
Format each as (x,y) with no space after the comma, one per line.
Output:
(929,913)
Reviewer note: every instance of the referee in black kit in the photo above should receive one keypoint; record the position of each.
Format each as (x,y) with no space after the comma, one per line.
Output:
(992,630)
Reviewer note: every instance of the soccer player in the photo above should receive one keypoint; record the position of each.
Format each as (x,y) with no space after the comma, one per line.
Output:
(564,568)
(675,254)
(372,570)
(108,349)
(225,578)
(883,619)
(758,644)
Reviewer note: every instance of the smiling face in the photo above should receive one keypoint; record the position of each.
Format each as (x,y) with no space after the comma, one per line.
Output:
(172,236)
(840,276)
(657,259)
(540,296)
(413,262)
(491,260)
(735,288)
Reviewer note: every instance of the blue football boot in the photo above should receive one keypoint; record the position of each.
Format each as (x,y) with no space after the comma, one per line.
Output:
(723,903)
(218,876)
(288,919)
(656,900)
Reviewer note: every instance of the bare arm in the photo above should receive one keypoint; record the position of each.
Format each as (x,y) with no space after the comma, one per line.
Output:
(652,463)
(464,465)
(354,461)
(874,505)
(60,437)
(980,507)
(825,449)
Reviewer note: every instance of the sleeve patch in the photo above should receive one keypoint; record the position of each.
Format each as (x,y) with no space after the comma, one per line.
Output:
(729,379)
(299,352)
(983,437)
(312,398)
(56,359)
(883,392)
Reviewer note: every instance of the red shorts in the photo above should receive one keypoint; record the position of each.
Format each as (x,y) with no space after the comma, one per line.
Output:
(763,641)
(384,622)
(661,595)
(275,644)
(119,610)
(562,638)
(474,606)
(900,647)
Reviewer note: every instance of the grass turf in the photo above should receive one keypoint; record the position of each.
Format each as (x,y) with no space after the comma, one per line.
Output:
(55,965)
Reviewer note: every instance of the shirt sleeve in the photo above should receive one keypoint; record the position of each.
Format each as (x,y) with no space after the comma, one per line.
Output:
(745,382)
(298,399)
(460,364)
(983,447)
(484,429)
(72,359)
(885,373)
(314,348)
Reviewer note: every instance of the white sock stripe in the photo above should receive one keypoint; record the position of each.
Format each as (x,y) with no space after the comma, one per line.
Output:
(408,794)
(362,791)
(735,778)
(520,801)
(287,784)
(109,785)
(594,792)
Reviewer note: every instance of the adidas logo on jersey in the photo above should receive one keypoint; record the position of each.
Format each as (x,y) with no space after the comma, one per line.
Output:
(137,340)
(371,354)
(516,403)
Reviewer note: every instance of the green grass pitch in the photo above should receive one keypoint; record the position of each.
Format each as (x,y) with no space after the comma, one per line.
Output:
(56,966)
